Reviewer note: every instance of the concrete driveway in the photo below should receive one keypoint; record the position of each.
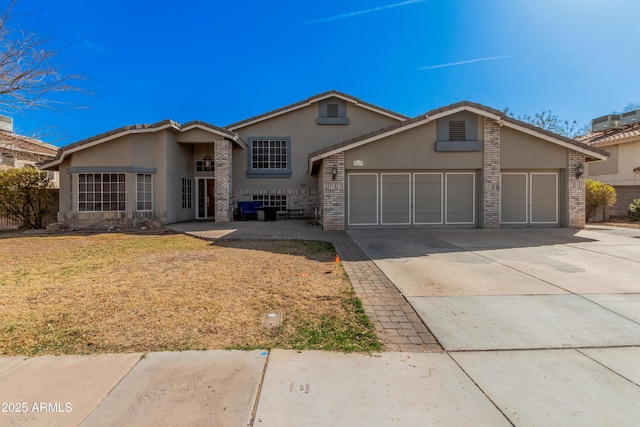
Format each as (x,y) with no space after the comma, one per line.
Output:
(545,321)
(516,289)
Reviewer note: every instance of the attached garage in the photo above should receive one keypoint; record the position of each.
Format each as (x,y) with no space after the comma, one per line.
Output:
(411,198)
(461,166)
(530,198)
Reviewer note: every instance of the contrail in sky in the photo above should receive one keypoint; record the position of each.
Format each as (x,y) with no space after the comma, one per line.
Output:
(469,61)
(364,12)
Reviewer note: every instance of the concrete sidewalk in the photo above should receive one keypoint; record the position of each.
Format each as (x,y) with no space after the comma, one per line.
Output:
(534,346)
(597,387)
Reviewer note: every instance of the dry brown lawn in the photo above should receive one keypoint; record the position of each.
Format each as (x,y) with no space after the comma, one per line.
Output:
(76,294)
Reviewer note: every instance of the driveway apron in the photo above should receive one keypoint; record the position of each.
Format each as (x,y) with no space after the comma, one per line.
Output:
(545,322)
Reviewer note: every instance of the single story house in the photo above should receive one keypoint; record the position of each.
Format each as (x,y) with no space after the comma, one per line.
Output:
(348,162)
(618,135)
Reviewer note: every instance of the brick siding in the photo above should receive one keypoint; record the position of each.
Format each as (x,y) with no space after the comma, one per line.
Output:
(491,174)
(575,191)
(333,193)
(222,163)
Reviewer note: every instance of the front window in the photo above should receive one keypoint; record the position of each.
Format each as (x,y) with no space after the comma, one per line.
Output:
(144,195)
(278,201)
(101,192)
(270,157)
(201,166)
(187,188)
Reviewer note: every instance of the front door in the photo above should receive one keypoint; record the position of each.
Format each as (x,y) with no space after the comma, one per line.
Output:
(206,198)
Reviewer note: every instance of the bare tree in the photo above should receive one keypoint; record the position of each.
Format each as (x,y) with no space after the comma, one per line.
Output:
(547,120)
(29,74)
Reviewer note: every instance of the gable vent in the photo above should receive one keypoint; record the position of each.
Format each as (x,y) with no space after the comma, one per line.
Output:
(333,110)
(457,131)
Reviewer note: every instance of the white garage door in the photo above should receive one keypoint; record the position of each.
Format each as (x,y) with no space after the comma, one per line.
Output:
(420,198)
(529,198)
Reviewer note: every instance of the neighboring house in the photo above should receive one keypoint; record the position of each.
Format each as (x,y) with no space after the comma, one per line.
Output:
(351,163)
(17,151)
(619,135)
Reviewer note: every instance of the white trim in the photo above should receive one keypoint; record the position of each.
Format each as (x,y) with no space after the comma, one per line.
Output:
(429,118)
(526,197)
(140,129)
(310,102)
(136,184)
(349,198)
(446,189)
(206,197)
(531,198)
(382,198)
(441,198)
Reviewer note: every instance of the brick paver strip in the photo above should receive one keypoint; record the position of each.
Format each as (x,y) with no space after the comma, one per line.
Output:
(396,322)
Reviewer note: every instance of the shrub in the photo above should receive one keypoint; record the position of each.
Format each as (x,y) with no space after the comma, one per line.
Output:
(598,195)
(25,195)
(633,210)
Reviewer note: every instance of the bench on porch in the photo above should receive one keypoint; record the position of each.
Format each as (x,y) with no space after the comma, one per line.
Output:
(248,210)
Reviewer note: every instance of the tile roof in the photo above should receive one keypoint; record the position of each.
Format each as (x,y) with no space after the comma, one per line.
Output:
(168,123)
(11,141)
(442,111)
(611,136)
(311,100)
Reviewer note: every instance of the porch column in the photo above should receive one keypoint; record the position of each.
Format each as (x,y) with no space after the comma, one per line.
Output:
(491,174)
(222,164)
(332,194)
(576,191)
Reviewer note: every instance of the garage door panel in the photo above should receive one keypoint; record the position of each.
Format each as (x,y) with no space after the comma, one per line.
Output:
(544,198)
(363,199)
(514,198)
(395,198)
(460,198)
(428,198)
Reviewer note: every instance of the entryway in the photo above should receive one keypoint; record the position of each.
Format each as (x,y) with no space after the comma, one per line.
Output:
(205,198)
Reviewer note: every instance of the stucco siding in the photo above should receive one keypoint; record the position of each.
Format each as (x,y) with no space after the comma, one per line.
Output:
(180,164)
(522,151)
(306,136)
(412,149)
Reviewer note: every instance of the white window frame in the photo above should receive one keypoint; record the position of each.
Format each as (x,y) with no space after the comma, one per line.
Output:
(281,167)
(147,194)
(91,192)
(187,193)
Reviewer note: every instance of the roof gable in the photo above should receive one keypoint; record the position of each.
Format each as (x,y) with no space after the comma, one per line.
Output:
(10,141)
(142,128)
(312,100)
(504,120)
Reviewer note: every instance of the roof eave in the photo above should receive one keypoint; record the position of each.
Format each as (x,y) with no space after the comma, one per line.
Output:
(310,101)
(592,153)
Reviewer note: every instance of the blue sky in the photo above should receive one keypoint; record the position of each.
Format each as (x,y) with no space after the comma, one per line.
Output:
(224,61)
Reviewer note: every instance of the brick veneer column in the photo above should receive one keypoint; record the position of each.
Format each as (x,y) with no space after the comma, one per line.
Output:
(222,163)
(491,174)
(576,191)
(333,193)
